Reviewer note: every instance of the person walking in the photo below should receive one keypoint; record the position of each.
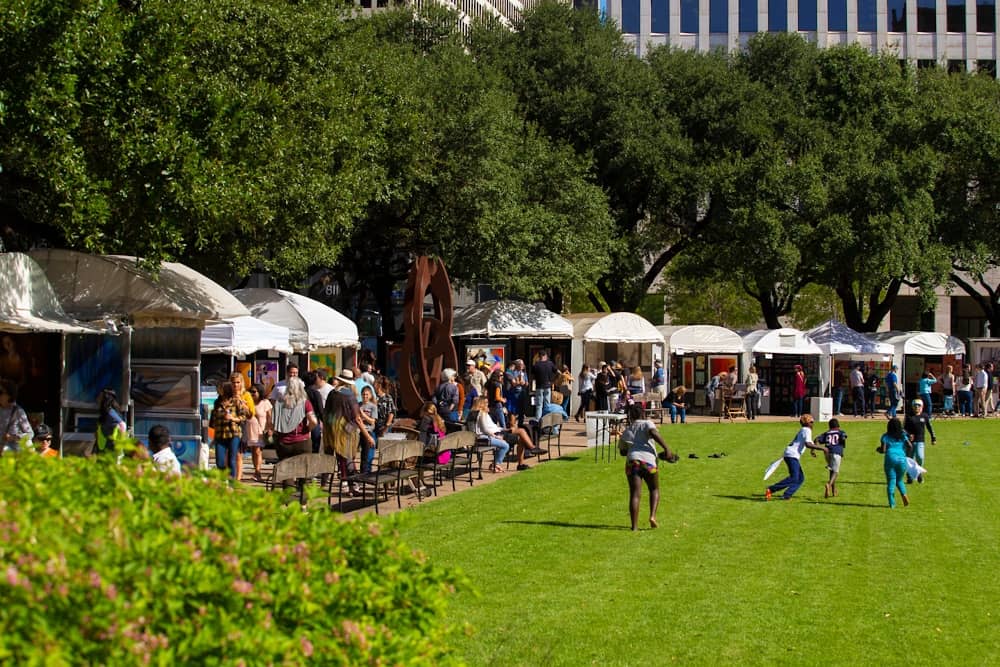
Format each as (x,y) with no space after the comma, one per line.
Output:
(228,415)
(835,440)
(858,391)
(640,463)
(587,377)
(915,426)
(871,392)
(793,454)
(752,397)
(981,386)
(894,445)
(799,390)
(892,391)
(927,380)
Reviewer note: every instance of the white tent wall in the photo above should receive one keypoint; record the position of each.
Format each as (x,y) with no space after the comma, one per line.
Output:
(913,346)
(839,343)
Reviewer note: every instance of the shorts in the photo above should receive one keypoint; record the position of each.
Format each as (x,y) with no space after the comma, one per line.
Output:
(639,469)
(833,462)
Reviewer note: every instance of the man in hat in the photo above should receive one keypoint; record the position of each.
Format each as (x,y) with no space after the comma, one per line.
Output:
(477,379)
(892,390)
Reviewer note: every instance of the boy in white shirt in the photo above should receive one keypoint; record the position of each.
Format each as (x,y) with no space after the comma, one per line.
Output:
(164,458)
(793,452)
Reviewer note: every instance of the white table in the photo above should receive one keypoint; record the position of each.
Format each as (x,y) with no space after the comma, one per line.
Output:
(601,435)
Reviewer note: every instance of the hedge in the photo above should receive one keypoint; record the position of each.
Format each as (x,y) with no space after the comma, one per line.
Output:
(120,564)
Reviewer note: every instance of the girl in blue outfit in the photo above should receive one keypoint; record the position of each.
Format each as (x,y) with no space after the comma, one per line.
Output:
(894,445)
(793,453)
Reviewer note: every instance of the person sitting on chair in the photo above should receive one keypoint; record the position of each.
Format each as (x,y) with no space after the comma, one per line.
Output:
(678,404)
(513,436)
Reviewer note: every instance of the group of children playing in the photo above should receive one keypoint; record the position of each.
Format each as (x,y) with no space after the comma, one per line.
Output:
(901,441)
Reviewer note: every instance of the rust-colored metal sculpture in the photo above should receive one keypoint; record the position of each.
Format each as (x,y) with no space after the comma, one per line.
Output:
(427,346)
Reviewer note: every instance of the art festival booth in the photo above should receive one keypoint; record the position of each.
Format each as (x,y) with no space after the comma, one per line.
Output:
(34,334)
(775,353)
(843,349)
(496,332)
(918,351)
(624,337)
(320,337)
(699,351)
(154,366)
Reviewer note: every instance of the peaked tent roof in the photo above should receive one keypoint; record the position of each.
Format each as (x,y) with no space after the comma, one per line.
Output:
(780,341)
(701,339)
(835,337)
(312,325)
(510,318)
(922,342)
(97,287)
(614,328)
(28,303)
(244,335)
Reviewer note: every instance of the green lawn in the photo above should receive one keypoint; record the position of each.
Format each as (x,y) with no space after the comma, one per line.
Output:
(728,578)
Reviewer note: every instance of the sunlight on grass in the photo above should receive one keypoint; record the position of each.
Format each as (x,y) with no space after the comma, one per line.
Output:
(728,578)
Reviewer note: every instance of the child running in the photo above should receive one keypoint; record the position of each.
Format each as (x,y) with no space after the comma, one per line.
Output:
(915,425)
(793,453)
(894,445)
(640,465)
(835,440)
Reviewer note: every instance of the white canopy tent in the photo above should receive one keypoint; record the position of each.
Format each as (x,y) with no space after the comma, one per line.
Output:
(312,326)
(626,337)
(768,346)
(241,336)
(98,287)
(836,339)
(29,304)
(701,339)
(919,343)
(509,319)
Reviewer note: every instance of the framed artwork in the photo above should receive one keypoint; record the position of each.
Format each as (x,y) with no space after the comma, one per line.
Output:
(265,371)
(165,388)
(327,361)
(92,363)
(493,356)
(687,378)
(700,362)
(720,364)
(699,378)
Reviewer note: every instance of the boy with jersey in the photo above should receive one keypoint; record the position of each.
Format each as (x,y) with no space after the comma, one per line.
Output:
(914,426)
(834,440)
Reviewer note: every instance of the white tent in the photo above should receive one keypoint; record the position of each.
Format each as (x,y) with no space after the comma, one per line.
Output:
(244,335)
(97,287)
(626,337)
(837,339)
(499,318)
(312,325)
(779,341)
(701,339)
(28,303)
(919,343)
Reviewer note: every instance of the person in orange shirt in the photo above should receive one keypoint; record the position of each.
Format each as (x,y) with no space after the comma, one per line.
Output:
(43,442)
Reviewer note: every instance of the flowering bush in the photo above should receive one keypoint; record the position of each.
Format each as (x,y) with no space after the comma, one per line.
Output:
(108,564)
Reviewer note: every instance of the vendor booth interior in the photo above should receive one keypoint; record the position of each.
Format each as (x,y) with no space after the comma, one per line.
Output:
(775,352)
(698,352)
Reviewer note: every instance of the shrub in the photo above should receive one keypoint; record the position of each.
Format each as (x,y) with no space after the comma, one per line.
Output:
(108,564)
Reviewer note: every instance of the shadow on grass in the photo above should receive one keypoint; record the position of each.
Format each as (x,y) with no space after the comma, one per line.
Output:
(563,524)
(838,503)
(759,498)
(875,483)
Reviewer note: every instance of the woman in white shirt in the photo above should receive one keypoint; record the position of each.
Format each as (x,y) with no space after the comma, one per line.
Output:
(502,439)
(587,377)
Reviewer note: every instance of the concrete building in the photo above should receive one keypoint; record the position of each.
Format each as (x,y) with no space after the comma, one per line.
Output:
(959,34)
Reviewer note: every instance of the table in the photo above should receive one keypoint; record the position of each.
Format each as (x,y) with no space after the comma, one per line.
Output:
(602,435)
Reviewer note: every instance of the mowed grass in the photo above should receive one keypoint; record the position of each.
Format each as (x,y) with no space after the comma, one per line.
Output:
(728,578)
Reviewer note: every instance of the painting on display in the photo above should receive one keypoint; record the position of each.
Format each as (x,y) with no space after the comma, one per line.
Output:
(494,357)
(265,371)
(688,376)
(164,388)
(720,364)
(92,363)
(325,361)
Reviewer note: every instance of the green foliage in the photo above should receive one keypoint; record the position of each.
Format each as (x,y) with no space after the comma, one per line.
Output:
(108,564)
(728,578)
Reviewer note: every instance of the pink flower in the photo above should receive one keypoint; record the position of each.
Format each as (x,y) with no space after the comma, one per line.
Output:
(12,577)
(307,647)
(242,587)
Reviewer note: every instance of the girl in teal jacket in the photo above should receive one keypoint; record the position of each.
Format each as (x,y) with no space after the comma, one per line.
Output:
(894,444)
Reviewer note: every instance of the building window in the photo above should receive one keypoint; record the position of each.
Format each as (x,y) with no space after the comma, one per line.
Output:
(926,16)
(987,68)
(689,16)
(748,15)
(897,15)
(956,66)
(986,16)
(777,15)
(718,16)
(926,64)
(807,14)
(660,16)
(836,15)
(866,16)
(955,12)
(630,16)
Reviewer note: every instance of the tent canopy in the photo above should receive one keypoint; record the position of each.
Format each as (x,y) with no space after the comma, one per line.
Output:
(701,339)
(244,335)
(510,318)
(311,324)
(614,328)
(835,337)
(922,342)
(779,341)
(28,302)
(98,287)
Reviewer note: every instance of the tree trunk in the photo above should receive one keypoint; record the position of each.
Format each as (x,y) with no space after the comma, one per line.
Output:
(877,308)
(989,302)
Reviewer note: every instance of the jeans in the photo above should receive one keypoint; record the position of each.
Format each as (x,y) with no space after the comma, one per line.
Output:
(674,411)
(227,454)
(949,404)
(585,399)
(797,405)
(496,414)
(368,453)
(794,480)
(858,393)
(838,399)
(567,396)
(542,398)
(895,471)
(926,398)
(893,403)
(918,453)
(751,404)
(500,450)
(317,438)
(965,402)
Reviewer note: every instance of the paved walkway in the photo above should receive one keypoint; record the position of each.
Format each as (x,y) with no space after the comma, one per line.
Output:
(574,442)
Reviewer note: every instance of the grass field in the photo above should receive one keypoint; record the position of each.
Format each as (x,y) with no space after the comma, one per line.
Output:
(728,578)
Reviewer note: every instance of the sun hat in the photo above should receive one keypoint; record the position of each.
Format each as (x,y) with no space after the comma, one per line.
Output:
(346,376)
(470,362)
(917,401)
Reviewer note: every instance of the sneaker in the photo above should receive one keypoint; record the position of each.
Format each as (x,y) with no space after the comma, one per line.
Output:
(909,480)
(523,466)
(767,494)
(920,479)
